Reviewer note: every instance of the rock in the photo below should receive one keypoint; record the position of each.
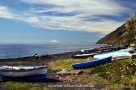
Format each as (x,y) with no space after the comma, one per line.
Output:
(70,72)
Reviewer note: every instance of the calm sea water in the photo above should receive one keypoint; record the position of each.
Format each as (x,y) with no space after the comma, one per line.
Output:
(23,50)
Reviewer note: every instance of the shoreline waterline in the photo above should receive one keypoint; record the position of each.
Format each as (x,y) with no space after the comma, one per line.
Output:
(20,51)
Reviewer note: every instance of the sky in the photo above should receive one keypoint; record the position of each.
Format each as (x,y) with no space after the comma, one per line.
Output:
(61,21)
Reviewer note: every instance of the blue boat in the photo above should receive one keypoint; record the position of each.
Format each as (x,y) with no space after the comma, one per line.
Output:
(91,63)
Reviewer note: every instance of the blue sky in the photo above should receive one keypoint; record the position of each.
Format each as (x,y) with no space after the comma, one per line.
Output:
(61,21)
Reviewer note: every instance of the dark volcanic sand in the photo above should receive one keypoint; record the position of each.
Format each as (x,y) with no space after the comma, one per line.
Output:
(52,78)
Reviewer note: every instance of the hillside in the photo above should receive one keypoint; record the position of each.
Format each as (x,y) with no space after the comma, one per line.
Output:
(124,35)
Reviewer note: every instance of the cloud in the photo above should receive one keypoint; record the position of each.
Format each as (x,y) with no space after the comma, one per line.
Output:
(73,23)
(92,7)
(5,13)
(101,36)
(71,15)
(54,41)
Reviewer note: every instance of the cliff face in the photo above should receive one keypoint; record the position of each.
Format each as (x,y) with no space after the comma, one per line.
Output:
(114,37)
(125,34)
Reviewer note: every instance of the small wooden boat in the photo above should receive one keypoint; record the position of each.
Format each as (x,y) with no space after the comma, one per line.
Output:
(82,56)
(23,72)
(91,63)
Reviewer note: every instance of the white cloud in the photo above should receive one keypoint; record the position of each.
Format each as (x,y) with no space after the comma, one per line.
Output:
(92,7)
(82,8)
(73,23)
(54,41)
(5,13)
(32,20)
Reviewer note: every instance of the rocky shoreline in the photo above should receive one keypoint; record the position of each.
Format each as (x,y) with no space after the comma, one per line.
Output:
(58,62)
(52,78)
(47,57)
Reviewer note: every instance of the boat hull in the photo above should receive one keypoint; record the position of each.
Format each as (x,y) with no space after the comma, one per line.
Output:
(115,54)
(81,56)
(92,63)
(31,77)
(27,74)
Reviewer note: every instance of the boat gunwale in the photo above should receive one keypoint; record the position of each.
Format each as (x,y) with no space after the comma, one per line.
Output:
(22,70)
(90,61)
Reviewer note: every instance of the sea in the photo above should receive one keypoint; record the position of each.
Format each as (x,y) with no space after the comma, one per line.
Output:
(24,50)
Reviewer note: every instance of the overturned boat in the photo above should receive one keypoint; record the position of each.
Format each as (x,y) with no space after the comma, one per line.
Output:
(82,56)
(91,63)
(23,72)
(120,54)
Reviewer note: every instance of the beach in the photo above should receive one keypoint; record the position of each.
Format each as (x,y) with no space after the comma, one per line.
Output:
(113,75)
(67,44)
(52,80)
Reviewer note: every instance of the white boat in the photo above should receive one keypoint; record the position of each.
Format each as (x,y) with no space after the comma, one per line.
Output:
(81,56)
(120,54)
(129,49)
(23,72)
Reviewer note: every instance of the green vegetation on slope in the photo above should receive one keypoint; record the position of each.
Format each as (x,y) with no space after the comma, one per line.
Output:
(124,35)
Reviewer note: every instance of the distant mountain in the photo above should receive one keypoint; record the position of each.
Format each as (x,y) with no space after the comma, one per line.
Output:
(123,35)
